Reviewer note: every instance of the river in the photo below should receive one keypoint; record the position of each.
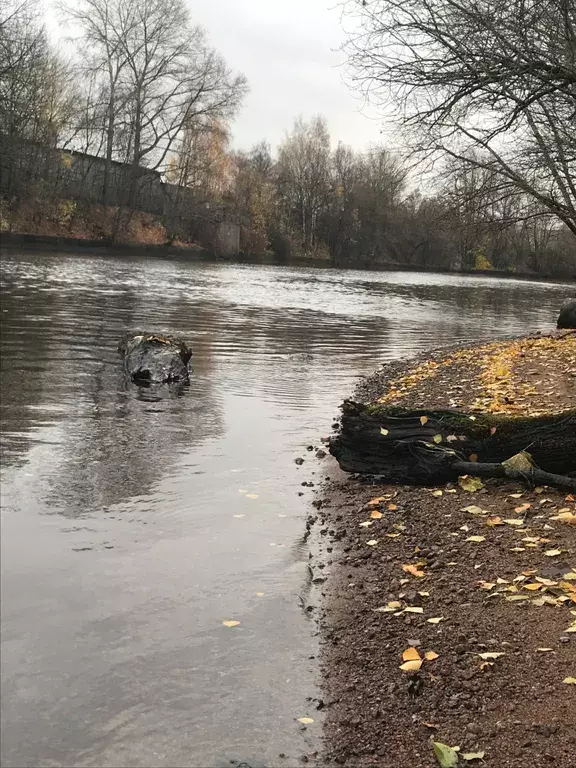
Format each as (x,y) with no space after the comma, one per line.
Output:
(135,522)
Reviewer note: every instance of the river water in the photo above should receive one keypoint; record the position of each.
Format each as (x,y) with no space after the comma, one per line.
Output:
(135,522)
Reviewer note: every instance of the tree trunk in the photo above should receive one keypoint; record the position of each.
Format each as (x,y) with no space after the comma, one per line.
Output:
(394,443)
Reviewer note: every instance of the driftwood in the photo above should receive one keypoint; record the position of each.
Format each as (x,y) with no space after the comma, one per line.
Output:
(395,445)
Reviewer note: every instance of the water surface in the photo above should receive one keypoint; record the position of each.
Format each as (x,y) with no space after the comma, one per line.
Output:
(128,531)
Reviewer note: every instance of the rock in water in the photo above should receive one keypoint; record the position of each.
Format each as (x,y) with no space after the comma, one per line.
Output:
(151,358)
(567,317)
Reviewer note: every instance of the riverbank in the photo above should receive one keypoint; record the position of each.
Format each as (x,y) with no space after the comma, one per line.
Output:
(450,611)
(103,247)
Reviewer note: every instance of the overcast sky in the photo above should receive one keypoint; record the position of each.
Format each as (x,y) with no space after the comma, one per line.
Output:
(288,50)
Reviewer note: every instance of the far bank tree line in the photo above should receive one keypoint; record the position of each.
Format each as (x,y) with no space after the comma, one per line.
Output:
(144,93)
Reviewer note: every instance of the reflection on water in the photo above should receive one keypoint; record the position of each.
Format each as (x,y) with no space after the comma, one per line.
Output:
(136,521)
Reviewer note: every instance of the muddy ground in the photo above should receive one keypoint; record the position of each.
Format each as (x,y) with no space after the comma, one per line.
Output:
(454,573)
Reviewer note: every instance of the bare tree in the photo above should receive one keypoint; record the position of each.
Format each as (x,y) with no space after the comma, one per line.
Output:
(159,76)
(304,175)
(494,75)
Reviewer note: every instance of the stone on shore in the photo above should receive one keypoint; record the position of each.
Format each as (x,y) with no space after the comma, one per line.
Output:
(567,316)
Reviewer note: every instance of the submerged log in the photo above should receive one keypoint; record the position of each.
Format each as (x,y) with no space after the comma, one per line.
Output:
(427,447)
(150,358)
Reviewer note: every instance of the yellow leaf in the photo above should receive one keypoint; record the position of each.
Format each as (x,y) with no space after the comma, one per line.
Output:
(393,535)
(392,507)
(437,438)
(565,517)
(532,587)
(469,483)
(491,655)
(435,620)
(376,515)
(522,508)
(414,609)
(230,623)
(544,650)
(514,521)
(570,680)
(553,552)
(413,570)
(473,755)
(411,666)
(571,576)
(430,655)
(372,542)
(377,500)
(260,594)
(437,493)
(476,538)
(423,420)
(251,495)
(410,654)
(365,524)
(383,431)
(239,516)
(305,720)
(486,584)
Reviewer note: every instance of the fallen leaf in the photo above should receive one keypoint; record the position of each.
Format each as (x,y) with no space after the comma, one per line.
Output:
(430,725)
(516,495)
(392,535)
(239,516)
(365,524)
(571,576)
(451,438)
(230,623)
(476,538)
(486,584)
(514,521)
(565,517)
(553,552)
(423,420)
(413,570)
(521,461)
(430,655)
(543,650)
(411,654)
(447,756)
(372,542)
(533,587)
(376,515)
(437,438)
(522,508)
(377,500)
(383,431)
(414,609)
(491,655)
(435,620)
(473,755)
(494,520)
(411,666)
(260,594)
(570,680)
(437,493)
(305,720)
(392,507)
(471,484)
(473,509)
(251,495)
